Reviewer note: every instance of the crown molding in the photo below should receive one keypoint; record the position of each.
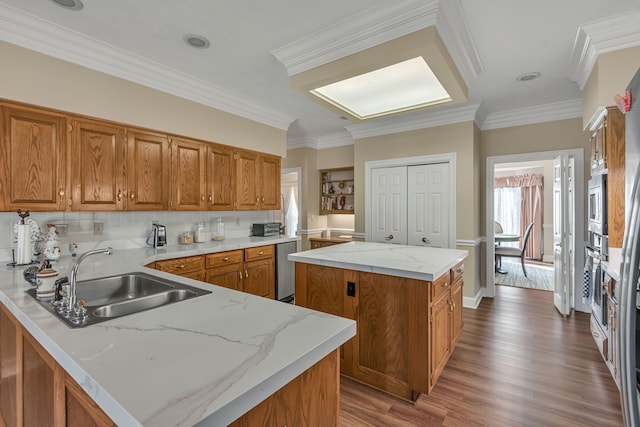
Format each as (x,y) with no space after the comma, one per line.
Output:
(30,32)
(537,114)
(602,36)
(381,24)
(454,31)
(414,121)
(302,142)
(369,28)
(338,139)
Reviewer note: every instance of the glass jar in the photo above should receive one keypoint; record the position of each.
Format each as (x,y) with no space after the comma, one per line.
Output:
(186,238)
(218,229)
(200,232)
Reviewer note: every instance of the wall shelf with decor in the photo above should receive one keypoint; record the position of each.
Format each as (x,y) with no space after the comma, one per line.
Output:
(336,191)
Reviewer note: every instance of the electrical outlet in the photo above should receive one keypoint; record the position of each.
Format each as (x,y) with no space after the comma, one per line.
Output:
(63,229)
(98,228)
(351,289)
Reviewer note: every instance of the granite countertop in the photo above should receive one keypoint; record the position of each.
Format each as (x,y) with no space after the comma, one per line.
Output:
(413,262)
(206,360)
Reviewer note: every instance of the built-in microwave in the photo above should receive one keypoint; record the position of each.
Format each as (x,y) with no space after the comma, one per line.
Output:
(597,204)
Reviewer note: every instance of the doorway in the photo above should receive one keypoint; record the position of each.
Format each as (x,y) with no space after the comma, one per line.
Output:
(578,201)
(291,208)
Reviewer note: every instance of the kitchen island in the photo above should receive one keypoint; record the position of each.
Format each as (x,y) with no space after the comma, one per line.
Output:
(406,300)
(205,361)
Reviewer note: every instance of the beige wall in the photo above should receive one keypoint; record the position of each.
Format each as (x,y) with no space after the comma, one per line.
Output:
(548,136)
(34,78)
(610,76)
(458,138)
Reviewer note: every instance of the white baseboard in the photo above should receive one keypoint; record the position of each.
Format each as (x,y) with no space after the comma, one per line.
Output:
(473,302)
(548,258)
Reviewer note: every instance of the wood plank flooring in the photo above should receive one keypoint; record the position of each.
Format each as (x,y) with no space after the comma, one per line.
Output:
(518,363)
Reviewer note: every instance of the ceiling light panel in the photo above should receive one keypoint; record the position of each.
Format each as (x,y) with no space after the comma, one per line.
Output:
(400,87)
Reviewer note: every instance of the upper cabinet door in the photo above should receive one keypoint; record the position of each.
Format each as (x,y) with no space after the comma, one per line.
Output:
(270,198)
(148,171)
(187,171)
(34,160)
(247,185)
(97,166)
(221,189)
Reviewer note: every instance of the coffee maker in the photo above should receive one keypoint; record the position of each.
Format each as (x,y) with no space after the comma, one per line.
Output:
(158,236)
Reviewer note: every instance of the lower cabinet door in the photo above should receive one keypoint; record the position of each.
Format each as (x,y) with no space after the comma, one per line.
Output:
(456,312)
(38,371)
(439,333)
(228,276)
(259,278)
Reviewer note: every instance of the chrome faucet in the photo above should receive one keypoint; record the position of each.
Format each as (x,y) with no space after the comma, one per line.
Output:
(71,307)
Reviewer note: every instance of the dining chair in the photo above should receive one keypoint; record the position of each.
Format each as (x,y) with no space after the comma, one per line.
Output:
(503,251)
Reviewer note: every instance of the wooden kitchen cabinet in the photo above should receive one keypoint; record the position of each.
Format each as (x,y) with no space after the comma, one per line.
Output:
(34,389)
(221,183)
(98,156)
(225,269)
(608,155)
(405,326)
(148,171)
(257,181)
(191,267)
(251,270)
(33,144)
(188,160)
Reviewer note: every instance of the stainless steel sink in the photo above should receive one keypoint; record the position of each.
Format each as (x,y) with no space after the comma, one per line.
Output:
(115,296)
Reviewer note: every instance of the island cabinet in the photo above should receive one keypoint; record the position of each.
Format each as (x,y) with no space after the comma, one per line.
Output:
(34,389)
(406,328)
(33,144)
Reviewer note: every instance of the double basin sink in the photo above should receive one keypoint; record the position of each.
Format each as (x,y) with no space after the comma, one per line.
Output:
(115,296)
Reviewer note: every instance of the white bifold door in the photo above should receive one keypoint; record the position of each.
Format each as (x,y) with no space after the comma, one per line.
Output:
(410,205)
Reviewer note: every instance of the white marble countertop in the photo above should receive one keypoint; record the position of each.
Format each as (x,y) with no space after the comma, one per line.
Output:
(612,265)
(413,262)
(206,360)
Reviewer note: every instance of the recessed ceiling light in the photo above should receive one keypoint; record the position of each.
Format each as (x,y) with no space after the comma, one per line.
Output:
(69,4)
(528,76)
(194,40)
(399,87)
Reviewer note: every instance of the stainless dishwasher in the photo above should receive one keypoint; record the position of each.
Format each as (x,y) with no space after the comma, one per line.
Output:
(285,272)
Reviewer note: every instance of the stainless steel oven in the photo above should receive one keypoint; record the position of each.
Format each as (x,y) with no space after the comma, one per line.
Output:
(599,308)
(597,204)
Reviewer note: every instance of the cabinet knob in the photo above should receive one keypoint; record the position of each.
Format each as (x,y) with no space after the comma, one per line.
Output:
(425,240)
(202,197)
(119,195)
(263,200)
(61,192)
(225,258)
(389,237)
(132,195)
(444,284)
(261,253)
(210,199)
(246,273)
(240,275)
(181,266)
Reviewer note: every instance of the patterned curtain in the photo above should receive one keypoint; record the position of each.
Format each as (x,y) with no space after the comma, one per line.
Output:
(531,208)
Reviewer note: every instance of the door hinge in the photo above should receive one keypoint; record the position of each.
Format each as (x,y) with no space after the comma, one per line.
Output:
(431,318)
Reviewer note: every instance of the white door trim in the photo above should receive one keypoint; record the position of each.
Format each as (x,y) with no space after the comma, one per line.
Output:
(410,161)
(578,244)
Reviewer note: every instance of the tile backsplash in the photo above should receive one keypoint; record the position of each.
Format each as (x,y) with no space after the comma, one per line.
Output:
(128,229)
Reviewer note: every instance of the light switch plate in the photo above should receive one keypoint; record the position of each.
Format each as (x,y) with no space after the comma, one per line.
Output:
(98,228)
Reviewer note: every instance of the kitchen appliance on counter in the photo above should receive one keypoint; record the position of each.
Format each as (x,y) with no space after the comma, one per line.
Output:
(285,272)
(263,229)
(628,326)
(158,235)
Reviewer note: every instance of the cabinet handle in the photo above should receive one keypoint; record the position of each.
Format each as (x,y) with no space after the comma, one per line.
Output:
(61,193)
(444,284)
(240,275)
(225,258)
(202,197)
(425,240)
(246,274)
(180,266)
(263,200)
(132,195)
(389,237)
(119,195)
(458,270)
(257,199)
(210,199)
(261,253)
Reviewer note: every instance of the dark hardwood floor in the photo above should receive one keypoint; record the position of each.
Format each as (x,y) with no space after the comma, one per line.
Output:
(517,363)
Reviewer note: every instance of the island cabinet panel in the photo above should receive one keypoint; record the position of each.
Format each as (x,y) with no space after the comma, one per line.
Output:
(291,405)
(34,149)
(34,388)
(10,369)
(406,328)
(188,175)
(97,166)
(148,171)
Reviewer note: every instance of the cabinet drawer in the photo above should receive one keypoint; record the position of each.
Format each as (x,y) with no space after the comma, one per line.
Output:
(259,252)
(457,272)
(223,258)
(181,265)
(440,286)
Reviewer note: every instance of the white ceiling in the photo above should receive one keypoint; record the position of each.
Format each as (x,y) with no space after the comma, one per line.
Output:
(239,73)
